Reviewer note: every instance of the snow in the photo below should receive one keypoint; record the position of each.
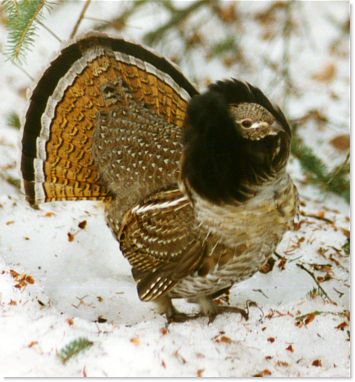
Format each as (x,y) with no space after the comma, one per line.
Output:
(56,288)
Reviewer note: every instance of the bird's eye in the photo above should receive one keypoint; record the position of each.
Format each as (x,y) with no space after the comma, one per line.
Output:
(247,122)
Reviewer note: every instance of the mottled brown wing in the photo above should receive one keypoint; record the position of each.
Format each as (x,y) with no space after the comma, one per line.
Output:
(56,159)
(158,239)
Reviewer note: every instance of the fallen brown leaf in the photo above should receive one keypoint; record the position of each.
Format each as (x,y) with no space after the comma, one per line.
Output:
(82,224)
(326,74)
(263,373)
(281,363)
(199,372)
(317,363)
(163,331)
(135,341)
(309,318)
(342,326)
(341,142)
(268,266)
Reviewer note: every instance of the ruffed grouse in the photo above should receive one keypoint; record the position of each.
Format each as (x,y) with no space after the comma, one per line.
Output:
(195,185)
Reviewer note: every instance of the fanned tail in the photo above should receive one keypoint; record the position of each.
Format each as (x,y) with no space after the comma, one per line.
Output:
(56,161)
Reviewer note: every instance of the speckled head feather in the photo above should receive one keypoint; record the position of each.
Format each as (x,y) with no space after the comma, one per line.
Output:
(235,91)
(220,162)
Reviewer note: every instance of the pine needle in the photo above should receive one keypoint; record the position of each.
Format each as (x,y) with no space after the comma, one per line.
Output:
(13,120)
(337,180)
(23,17)
(74,348)
(346,247)
(223,46)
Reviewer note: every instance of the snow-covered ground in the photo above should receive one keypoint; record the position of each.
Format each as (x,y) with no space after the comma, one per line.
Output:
(62,279)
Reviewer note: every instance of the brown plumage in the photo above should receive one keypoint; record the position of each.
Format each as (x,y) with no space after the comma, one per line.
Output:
(195,185)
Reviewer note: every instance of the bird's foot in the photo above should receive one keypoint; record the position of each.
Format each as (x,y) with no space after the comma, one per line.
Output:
(227,309)
(208,308)
(182,317)
(212,310)
(166,307)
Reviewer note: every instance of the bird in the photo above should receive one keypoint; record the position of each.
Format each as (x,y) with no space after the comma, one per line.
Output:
(194,185)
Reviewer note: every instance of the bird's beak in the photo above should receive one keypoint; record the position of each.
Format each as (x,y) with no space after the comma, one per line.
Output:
(273,129)
(277,128)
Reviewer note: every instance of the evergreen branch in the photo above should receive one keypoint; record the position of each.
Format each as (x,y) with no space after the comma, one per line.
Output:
(22,18)
(118,22)
(336,181)
(309,161)
(15,182)
(13,120)
(346,247)
(10,7)
(223,46)
(74,348)
(340,168)
(177,18)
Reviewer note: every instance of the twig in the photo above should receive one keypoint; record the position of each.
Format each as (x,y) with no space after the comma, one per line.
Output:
(261,292)
(24,71)
(316,281)
(48,30)
(341,294)
(340,168)
(306,28)
(319,218)
(177,18)
(120,20)
(82,13)
(286,52)
(250,303)
(278,256)
(317,312)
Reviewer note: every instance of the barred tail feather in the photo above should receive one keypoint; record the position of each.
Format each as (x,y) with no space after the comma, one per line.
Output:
(56,161)
(57,138)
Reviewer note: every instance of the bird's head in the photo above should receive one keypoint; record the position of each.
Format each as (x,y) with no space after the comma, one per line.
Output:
(234,140)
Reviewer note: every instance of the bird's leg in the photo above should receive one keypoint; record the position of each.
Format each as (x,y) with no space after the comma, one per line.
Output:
(208,308)
(211,309)
(231,309)
(165,306)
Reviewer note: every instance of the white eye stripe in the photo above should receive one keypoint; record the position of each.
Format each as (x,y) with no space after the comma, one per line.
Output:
(259,124)
(253,125)
(249,110)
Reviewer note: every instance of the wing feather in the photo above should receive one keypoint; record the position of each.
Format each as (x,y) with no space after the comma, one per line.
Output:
(158,239)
